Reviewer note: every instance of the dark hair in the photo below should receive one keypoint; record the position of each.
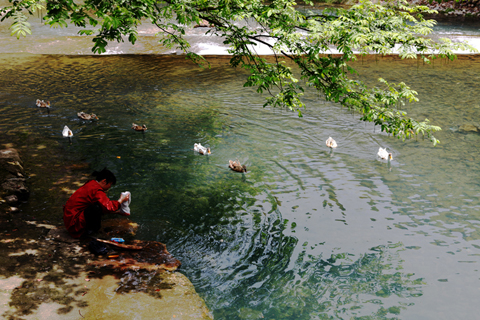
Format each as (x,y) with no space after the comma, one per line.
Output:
(105,174)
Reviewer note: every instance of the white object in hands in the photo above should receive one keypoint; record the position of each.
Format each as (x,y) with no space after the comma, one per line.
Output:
(67,132)
(331,143)
(384,154)
(125,206)
(201,149)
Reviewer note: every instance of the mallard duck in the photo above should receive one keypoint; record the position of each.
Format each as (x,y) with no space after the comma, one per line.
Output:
(86,116)
(136,127)
(384,154)
(236,166)
(197,147)
(67,132)
(43,104)
(331,143)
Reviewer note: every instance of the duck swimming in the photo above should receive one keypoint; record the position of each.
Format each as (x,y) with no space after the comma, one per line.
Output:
(42,104)
(86,116)
(67,132)
(197,147)
(331,143)
(136,127)
(384,154)
(236,166)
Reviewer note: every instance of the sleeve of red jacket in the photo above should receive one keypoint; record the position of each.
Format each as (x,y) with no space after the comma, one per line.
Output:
(107,204)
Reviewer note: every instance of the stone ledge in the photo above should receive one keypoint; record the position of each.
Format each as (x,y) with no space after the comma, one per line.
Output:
(13,180)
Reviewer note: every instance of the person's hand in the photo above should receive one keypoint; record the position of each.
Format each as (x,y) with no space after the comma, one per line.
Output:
(123,198)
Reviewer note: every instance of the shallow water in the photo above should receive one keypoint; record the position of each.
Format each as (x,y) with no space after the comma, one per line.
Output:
(306,233)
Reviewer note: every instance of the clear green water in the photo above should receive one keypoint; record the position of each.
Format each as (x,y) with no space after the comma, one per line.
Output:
(306,233)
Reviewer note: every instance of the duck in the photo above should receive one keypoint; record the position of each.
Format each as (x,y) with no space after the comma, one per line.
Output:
(136,127)
(197,147)
(384,154)
(42,104)
(67,132)
(86,116)
(331,143)
(236,166)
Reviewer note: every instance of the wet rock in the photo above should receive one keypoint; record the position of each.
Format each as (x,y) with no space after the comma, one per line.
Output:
(468,128)
(16,186)
(12,175)
(153,256)
(11,200)
(10,164)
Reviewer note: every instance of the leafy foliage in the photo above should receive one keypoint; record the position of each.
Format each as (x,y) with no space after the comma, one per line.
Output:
(20,25)
(321,44)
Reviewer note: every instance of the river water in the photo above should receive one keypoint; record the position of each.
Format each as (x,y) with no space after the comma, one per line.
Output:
(306,233)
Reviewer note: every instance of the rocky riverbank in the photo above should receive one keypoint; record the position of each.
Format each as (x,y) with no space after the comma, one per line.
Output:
(469,8)
(46,274)
(463,8)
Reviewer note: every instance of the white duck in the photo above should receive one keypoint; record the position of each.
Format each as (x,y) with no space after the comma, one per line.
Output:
(197,147)
(384,154)
(67,132)
(331,143)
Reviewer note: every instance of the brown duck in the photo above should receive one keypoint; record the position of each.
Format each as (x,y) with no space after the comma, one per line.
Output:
(86,116)
(236,166)
(42,104)
(136,127)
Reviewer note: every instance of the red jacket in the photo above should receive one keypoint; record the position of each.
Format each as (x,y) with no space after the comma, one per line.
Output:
(88,194)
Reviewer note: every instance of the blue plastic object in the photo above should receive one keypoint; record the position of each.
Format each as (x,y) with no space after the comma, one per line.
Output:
(119,240)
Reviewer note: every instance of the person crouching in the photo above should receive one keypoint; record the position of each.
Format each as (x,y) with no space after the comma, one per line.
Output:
(82,214)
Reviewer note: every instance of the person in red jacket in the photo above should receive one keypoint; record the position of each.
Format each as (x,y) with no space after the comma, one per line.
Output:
(84,209)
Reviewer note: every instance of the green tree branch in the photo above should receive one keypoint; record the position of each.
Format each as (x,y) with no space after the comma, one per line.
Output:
(306,39)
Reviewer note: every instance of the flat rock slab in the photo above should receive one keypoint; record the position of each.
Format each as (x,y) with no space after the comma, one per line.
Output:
(120,297)
(169,296)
